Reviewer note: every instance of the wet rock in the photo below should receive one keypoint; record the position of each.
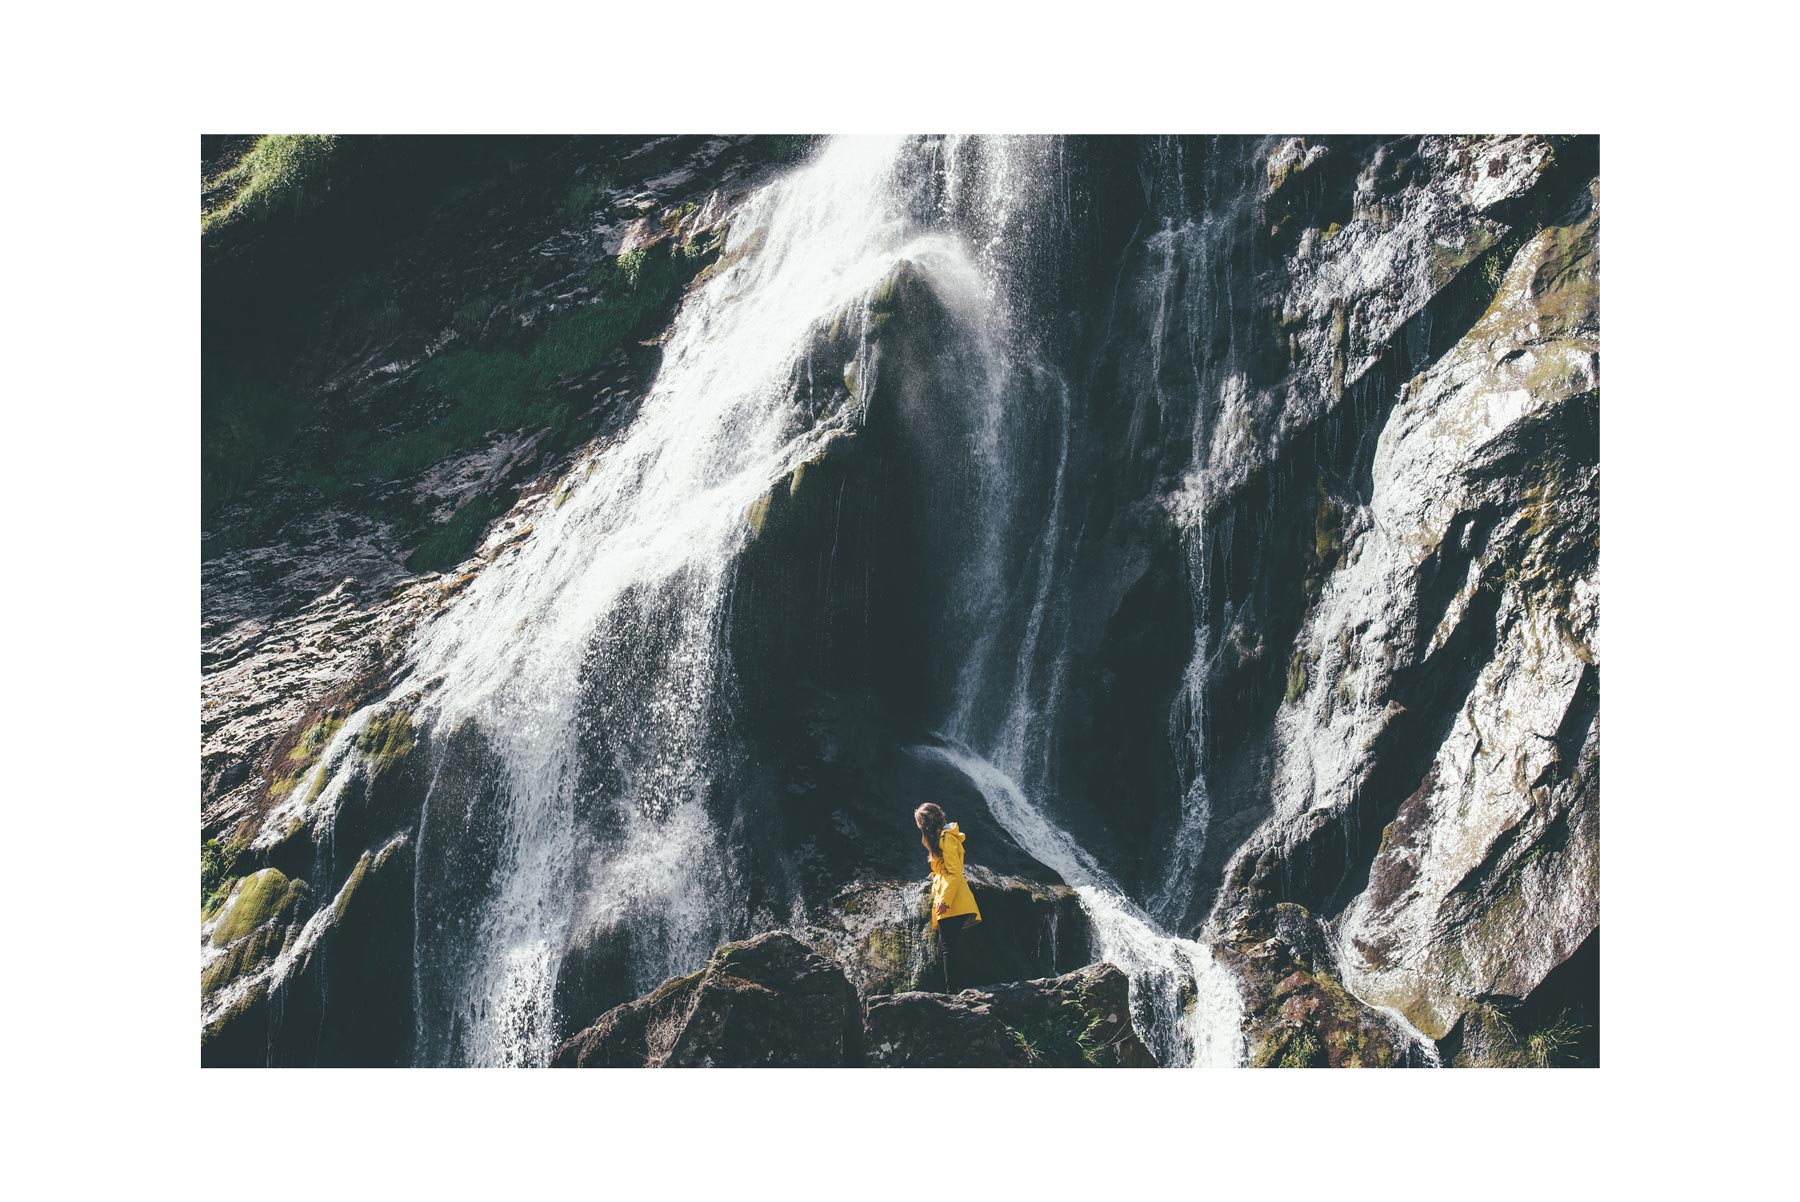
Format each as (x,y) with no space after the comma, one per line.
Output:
(1465,621)
(386,299)
(1556,1026)
(1078,1020)
(1299,1015)
(768,1001)
(263,989)
(881,933)
(257,921)
(1328,535)
(935,1030)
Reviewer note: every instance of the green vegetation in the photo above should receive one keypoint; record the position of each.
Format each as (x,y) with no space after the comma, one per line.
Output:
(1298,1049)
(355,880)
(1296,676)
(758,513)
(315,738)
(301,757)
(387,739)
(1072,1037)
(1501,1044)
(1049,1042)
(673,986)
(1303,1051)
(273,173)
(262,895)
(1550,1046)
(456,539)
(216,863)
(257,926)
(1328,531)
(889,958)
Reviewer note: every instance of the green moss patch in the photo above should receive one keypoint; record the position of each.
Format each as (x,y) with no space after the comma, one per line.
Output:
(1296,676)
(262,896)
(341,906)
(387,739)
(217,862)
(314,739)
(274,173)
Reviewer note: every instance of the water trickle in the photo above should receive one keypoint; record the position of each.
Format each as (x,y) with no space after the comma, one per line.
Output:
(1185,1005)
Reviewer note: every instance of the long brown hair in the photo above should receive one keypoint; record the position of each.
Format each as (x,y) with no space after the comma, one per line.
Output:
(930,818)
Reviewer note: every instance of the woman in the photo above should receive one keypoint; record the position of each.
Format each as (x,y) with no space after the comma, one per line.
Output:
(953,908)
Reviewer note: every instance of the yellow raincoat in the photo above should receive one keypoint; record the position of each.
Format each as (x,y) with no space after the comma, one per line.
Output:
(949,891)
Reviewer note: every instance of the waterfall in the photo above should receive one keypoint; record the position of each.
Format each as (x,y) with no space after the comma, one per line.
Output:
(1185,1005)
(575,697)
(591,666)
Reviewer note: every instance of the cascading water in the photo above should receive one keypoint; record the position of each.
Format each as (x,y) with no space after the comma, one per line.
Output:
(576,695)
(592,664)
(1185,1005)
(1187,268)
(587,672)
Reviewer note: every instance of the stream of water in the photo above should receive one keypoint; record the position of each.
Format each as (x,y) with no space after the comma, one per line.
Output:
(586,671)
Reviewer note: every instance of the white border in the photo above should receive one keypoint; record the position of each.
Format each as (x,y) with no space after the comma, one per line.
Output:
(104,109)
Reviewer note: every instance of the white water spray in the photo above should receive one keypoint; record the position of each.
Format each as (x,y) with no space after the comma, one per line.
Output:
(1185,1005)
(606,627)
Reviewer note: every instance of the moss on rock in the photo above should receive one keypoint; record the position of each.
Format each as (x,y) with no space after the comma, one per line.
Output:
(276,171)
(341,905)
(387,739)
(260,920)
(1296,676)
(259,898)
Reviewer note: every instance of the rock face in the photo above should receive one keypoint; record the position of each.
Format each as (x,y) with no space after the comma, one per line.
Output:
(1078,1020)
(265,967)
(1451,662)
(398,355)
(766,1002)
(881,933)
(1299,1014)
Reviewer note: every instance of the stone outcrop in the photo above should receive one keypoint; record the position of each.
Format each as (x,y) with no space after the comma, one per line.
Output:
(881,933)
(1078,1020)
(773,1001)
(1299,1015)
(767,1002)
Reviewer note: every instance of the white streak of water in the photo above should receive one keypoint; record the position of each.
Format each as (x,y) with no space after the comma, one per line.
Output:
(1186,1006)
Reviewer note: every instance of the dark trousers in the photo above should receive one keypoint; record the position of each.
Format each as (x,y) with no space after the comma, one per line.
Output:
(954,947)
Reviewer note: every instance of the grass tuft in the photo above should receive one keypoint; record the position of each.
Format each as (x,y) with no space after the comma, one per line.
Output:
(275,172)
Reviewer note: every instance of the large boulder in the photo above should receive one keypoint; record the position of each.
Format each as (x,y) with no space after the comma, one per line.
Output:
(880,931)
(1078,1020)
(770,1001)
(1298,1014)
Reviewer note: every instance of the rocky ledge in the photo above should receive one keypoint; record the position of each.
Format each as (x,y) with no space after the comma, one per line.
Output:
(775,1001)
